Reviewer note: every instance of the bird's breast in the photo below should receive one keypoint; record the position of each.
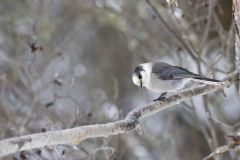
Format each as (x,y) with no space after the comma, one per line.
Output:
(158,85)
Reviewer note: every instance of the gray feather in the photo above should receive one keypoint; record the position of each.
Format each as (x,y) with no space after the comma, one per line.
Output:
(169,72)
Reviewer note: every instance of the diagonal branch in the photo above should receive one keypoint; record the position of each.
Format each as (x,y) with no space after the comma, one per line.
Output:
(221,150)
(78,134)
(234,145)
(180,40)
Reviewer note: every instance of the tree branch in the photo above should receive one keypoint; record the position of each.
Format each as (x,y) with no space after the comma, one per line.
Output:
(234,145)
(78,134)
(220,150)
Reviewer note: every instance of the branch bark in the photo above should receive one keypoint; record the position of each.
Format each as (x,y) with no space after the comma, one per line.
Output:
(78,134)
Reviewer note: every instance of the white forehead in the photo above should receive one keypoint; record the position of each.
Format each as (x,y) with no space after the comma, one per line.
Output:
(147,67)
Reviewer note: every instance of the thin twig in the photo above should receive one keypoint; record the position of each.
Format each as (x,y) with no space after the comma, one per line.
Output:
(235,143)
(221,150)
(209,20)
(201,125)
(214,142)
(179,38)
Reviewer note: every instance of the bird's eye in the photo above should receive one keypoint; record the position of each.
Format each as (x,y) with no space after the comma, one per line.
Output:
(140,76)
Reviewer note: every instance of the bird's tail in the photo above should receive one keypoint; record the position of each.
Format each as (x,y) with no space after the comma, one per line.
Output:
(202,79)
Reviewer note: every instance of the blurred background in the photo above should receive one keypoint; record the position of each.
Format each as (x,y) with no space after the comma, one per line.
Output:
(69,63)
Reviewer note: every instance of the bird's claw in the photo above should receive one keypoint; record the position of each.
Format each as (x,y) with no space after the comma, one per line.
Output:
(161,97)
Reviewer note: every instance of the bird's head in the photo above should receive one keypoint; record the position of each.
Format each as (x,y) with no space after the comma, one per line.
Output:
(139,76)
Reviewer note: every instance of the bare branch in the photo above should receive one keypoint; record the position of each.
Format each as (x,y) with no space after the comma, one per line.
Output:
(208,25)
(78,134)
(220,150)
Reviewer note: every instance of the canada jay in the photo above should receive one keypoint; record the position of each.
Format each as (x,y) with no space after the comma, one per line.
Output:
(162,77)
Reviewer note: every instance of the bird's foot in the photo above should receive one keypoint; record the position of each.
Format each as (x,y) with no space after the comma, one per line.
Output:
(161,97)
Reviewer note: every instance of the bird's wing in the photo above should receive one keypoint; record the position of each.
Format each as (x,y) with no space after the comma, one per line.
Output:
(168,72)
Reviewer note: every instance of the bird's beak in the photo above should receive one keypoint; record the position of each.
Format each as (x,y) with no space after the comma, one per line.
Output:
(141,83)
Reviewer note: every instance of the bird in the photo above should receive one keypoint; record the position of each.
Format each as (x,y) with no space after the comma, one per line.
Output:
(162,77)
